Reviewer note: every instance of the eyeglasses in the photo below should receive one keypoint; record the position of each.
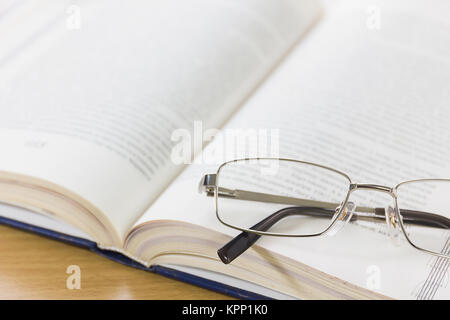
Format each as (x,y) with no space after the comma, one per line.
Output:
(292,198)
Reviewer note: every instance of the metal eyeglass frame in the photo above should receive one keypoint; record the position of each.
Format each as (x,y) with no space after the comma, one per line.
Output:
(248,237)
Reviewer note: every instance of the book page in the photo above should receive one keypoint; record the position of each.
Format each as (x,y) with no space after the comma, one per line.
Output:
(91,100)
(368,99)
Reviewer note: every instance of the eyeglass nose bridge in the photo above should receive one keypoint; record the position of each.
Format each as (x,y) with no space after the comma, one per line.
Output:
(390,214)
(374,187)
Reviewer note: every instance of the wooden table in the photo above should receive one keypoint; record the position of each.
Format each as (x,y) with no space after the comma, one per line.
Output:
(34,267)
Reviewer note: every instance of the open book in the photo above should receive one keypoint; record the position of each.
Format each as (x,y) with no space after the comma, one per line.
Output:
(91,94)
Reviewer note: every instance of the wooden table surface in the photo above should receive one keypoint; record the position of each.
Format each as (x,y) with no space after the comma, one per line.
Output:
(34,267)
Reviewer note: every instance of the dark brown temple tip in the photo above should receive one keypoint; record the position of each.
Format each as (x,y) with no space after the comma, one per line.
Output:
(223,255)
(237,246)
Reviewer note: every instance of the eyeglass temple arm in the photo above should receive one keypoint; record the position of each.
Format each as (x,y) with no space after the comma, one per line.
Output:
(239,244)
(242,242)
(208,185)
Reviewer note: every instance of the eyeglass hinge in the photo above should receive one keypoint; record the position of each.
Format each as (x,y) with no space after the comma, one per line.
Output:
(208,184)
